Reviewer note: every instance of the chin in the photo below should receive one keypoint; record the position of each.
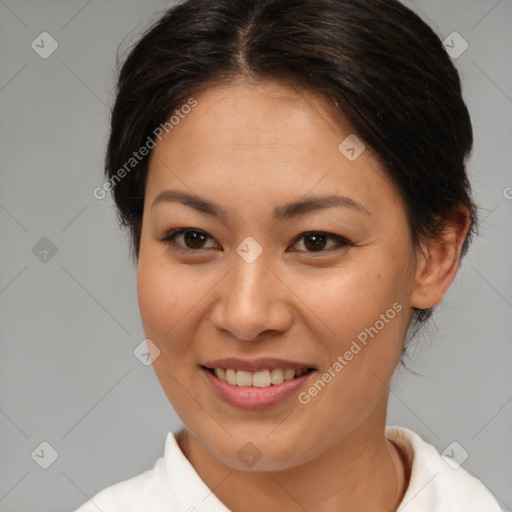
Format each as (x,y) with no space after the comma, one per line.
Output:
(257,451)
(256,461)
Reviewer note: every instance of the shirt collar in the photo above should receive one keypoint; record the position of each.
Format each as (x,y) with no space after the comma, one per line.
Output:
(191,491)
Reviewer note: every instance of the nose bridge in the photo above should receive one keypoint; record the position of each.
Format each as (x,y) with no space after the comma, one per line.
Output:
(251,299)
(249,285)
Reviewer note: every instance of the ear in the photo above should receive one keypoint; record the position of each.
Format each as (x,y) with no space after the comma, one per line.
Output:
(438,261)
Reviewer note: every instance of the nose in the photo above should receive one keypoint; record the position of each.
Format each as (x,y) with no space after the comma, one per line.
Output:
(253,301)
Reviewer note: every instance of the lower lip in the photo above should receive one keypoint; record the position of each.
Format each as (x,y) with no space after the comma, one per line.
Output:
(248,397)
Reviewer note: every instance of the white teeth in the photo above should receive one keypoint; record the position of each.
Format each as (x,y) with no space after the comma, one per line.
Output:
(289,374)
(231,376)
(220,373)
(276,376)
(243,378)
(261,379)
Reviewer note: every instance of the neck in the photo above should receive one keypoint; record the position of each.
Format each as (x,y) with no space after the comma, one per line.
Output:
(362,471)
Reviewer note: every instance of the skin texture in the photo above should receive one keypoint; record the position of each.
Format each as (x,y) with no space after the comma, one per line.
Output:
(251,147)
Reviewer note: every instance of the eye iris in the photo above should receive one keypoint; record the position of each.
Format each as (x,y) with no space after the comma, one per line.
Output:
(192,238)
(318,241)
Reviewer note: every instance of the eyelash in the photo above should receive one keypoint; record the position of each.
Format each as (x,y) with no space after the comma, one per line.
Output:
(169,240)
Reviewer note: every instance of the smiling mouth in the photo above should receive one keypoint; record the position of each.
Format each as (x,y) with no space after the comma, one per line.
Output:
(260,379)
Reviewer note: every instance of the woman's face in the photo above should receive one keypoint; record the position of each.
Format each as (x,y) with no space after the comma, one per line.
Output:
(246,282)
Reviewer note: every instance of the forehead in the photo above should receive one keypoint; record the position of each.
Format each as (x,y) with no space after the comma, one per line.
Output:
(262,137)
(265,113)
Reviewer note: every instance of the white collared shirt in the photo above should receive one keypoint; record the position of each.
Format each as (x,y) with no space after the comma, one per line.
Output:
(173,485)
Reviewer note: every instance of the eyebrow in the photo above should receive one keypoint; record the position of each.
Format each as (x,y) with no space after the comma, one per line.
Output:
(287,211)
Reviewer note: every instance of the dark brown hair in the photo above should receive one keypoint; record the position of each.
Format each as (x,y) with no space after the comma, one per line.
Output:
(377,61)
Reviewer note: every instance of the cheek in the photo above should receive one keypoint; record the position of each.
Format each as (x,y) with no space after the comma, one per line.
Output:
(364,321)
(168,299)
(349,299)
(166,294)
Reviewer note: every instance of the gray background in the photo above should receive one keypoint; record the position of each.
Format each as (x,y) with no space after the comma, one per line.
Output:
(70,324)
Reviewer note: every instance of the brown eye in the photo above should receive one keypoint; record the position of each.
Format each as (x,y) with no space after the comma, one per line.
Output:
(316,241)
(192,239)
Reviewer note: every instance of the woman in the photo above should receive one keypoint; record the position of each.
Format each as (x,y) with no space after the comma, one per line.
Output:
(292,175)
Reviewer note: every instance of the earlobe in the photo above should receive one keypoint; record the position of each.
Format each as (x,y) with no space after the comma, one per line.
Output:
(438,261)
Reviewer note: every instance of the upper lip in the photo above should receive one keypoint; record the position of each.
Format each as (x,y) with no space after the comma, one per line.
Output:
(254,365)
